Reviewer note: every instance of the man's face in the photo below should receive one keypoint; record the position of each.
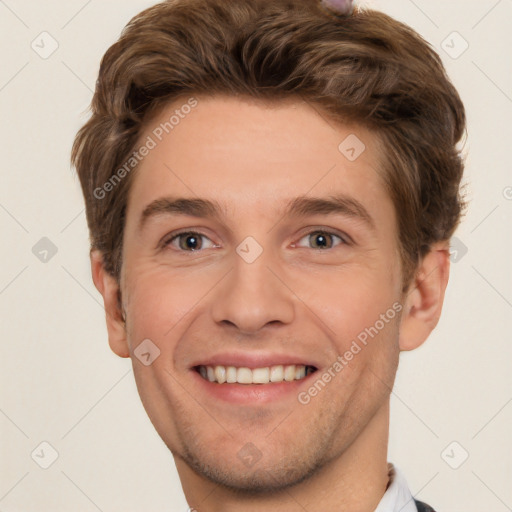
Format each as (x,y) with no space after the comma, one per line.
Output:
(256,285)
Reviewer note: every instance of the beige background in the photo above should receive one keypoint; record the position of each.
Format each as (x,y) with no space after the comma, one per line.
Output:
(60,383)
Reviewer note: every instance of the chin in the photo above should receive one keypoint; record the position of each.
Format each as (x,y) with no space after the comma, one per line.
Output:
(258,480)
(247,470)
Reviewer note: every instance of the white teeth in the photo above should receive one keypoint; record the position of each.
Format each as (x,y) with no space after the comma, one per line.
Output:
(230,374)
(300,371)
(220,374)
(276,373)
(244,375)
(260,376)
(289,373)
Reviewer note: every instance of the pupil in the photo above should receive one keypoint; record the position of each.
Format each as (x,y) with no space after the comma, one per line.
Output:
(320,240)
(191,242)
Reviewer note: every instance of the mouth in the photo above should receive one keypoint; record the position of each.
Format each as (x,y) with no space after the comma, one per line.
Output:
(265,375)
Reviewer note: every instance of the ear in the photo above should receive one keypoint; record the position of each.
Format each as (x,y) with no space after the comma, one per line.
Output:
(109,289)
(425,296)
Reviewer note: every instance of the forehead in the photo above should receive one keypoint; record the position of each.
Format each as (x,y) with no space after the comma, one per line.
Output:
(246,153)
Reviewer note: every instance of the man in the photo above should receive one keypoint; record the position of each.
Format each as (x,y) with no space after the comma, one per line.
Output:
(271,188)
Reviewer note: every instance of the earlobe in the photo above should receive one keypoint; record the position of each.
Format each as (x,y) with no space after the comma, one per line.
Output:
(423,301)
(109,289)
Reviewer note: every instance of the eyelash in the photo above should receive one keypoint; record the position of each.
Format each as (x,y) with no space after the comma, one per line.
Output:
(343,239)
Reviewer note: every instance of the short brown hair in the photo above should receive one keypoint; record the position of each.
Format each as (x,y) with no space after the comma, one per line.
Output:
(366,68)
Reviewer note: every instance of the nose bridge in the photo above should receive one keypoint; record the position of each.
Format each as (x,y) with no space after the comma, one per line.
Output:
(251,296)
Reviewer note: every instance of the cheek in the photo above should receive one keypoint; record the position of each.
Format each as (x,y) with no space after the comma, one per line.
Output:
(358,309)
(348,301)
(159,301)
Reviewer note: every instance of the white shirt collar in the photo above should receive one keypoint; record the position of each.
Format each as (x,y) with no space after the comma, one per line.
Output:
(398,497)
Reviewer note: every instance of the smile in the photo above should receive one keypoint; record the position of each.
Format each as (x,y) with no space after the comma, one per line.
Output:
(244,375)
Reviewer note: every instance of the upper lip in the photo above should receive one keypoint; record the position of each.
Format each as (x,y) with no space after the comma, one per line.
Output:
(254,360)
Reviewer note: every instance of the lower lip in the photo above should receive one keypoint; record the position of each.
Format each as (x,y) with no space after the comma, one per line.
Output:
(252,393)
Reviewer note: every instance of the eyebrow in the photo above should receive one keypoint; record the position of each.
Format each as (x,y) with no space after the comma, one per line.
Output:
(300,206)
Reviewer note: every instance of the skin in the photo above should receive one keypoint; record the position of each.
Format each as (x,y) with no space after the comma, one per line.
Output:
(253,157)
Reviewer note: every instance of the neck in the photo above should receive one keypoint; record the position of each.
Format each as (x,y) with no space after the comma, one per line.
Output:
(353,481)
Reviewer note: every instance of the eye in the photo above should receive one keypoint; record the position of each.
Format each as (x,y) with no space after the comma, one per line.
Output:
(188,241)
(191,241)
(322,239)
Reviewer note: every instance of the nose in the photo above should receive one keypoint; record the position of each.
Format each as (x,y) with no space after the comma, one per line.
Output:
(252,296)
